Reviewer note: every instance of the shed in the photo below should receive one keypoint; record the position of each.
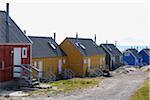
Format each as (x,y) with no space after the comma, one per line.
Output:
(132,57)
(145,53)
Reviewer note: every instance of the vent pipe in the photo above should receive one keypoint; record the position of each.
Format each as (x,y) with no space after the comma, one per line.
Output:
(106,41)
(137,48)
(54,36)
(77,36)
(7,22)
(25,32)
(116,43)
(95,38)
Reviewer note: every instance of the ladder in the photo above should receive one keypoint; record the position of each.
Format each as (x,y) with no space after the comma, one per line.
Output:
(68,74)
(25,72)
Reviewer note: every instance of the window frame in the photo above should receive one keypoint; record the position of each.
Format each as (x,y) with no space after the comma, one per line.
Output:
(24,52)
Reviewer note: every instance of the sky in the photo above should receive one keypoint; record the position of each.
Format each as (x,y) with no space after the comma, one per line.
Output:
(124,21)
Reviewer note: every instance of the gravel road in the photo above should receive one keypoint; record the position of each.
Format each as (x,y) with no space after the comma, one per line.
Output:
(119,87)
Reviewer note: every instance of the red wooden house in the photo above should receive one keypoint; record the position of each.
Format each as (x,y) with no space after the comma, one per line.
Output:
(15,46)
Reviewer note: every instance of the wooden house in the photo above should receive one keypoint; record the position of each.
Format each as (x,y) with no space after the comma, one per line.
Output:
(82,55)
(47,55)
(15,46)
(113,57)
(132,57)
(145,53)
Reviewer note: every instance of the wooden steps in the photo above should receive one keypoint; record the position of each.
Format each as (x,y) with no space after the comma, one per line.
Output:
(68,74)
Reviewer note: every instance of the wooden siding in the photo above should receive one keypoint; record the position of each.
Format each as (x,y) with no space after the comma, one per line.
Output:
(76,60)
(74,57)
(50,64)
(96,61)
(6,55)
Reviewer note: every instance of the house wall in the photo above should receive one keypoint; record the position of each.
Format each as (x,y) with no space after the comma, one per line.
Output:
(96,61)
(130,60)
(74,57)
(6,56)
(146,58)
(50,63)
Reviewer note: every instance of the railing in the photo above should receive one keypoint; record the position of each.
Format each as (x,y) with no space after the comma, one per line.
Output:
(48,76)
(26,72)
(68,73)
(95,71)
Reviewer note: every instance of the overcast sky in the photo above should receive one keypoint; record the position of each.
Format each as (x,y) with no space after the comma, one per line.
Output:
(125,21)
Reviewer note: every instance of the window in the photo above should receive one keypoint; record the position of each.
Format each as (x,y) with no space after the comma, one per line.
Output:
(109,49)
(77,44)
(85,61)
(64,61)
(52,45)
(82,46)
(35,63)
(24,52)
(126,54)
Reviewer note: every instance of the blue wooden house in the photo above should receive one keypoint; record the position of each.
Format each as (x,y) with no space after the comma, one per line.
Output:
(132,57)
(145,53)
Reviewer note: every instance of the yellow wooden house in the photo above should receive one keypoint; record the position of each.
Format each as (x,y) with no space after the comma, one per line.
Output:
(83,54)
(47,55)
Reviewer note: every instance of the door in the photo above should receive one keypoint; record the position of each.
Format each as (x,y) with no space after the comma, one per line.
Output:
(17,56)
(89,63)
(101,62)
(40,68)
(60,66)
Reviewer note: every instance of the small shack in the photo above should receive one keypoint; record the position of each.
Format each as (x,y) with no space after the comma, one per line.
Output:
(113,57)
(145,53)
(132,57)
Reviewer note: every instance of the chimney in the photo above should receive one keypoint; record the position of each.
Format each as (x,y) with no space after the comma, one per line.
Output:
(77,36)
(54,36)
(95,38)
(7,22)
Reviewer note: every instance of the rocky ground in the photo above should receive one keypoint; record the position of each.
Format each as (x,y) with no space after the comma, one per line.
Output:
(121,86)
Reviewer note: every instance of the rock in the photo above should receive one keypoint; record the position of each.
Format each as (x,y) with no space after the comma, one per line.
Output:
(125,69)
(145,68)
(18,94)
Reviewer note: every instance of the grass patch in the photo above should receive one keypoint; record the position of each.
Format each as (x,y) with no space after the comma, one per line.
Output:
(143,93)
(67,86)
(74,84)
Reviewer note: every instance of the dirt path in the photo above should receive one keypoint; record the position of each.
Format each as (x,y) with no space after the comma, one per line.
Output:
(119,87)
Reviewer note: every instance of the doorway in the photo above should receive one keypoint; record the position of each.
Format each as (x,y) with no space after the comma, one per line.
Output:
(17,56)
